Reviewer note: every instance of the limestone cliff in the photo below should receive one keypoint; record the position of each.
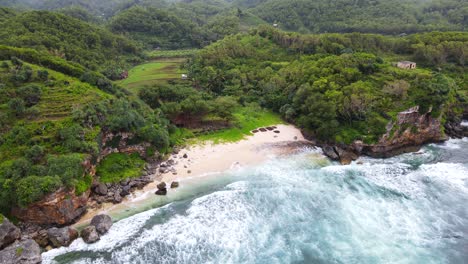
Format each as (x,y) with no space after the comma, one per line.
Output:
(60,208)
(407,133)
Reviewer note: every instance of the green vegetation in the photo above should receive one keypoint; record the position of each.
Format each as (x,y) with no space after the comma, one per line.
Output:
(91,46)
(154,72)
(19,251)
(164,54)
(58,100)
(118,166)
(335,86)
(1,219)
(245,120)
(83,184)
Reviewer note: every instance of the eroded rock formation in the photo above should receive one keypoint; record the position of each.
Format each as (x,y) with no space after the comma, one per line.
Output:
(60,208)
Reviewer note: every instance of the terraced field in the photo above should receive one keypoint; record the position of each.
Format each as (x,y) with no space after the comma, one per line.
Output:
(154,72)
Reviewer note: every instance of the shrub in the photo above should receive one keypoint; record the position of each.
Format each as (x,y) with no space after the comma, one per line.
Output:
(67,167)
(83,184)
(33,188)
(17,106)
(118,166)
(35,153)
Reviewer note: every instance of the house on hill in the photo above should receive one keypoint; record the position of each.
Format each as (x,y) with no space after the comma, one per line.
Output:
(409,65)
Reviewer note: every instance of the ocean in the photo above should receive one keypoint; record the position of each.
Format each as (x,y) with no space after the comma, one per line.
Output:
(302,208)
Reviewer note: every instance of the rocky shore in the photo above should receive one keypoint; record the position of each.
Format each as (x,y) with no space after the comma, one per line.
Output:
(408,133)
(45,224)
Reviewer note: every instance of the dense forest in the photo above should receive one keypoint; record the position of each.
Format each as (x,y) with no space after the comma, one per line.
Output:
(340,88)
(59,64)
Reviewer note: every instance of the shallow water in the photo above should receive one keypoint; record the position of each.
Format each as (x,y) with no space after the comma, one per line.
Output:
(303,209)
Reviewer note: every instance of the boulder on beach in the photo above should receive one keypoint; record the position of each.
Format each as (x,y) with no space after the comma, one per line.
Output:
(90,234)
(162,189)
(174,184)
(270,128)
(101,189)
(277,131)
(24,252)
(102,223)
(262,129)
(185,156)
(161,185)
(255,131)
(9,233)
(161,192)
(62,237)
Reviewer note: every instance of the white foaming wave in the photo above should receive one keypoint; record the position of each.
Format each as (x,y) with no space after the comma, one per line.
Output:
(197,231)
(464,123)
(117,235)
(450,144)
(452,174)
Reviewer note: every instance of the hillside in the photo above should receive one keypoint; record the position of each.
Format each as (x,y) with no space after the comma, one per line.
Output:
(339,88)
(91,46)
(53,123)
(386,17)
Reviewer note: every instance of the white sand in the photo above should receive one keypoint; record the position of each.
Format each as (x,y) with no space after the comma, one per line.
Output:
(212,158)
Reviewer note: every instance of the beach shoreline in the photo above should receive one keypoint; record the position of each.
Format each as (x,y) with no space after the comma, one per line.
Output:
(198,161)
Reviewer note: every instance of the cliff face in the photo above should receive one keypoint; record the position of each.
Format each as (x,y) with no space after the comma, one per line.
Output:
(64,207)
(407,133)
(60,208)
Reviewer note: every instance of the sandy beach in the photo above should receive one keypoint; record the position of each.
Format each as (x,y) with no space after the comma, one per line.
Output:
(196,161)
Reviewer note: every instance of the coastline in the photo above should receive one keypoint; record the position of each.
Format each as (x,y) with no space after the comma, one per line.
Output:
(194,162)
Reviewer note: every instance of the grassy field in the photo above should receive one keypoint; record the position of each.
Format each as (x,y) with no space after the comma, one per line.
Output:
(154,72)
(247,119)
(160,54)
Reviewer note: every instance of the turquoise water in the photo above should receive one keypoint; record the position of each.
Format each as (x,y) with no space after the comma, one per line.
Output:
(304,209)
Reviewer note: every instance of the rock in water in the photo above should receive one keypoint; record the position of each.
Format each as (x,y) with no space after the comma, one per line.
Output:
(102,223)
(62,237)
(24,252)
(174,184)
(330,152)
(9,233)
(90,234)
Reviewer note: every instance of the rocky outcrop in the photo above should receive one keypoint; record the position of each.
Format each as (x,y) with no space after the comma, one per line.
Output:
(62,237)
(102,223)
(119,143)
(407,133)
(90,235)
(24,252)
(9,233)
(60,208)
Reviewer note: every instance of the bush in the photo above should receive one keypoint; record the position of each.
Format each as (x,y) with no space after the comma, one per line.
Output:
(17,106)
(33,188)
(68,167)
(35,153)
(118,166)
(83,184)
(31,94)
(157,136)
